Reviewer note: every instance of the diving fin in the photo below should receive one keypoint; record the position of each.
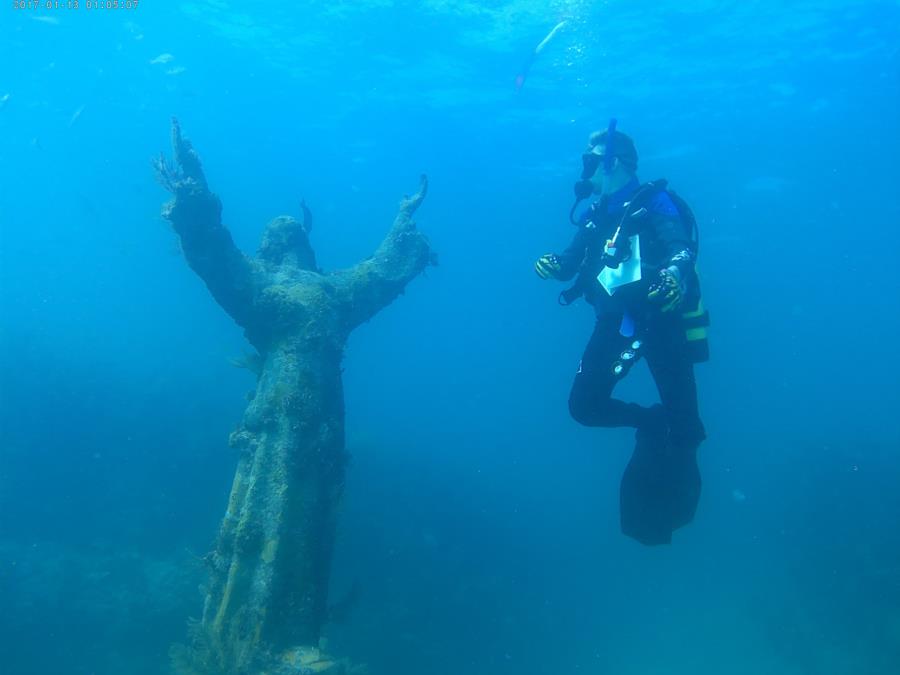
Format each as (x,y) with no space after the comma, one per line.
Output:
(660,488)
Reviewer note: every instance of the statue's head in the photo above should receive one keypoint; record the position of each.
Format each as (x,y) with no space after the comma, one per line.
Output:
(285,242)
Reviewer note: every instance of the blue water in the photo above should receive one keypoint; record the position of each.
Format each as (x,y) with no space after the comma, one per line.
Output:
(480,521)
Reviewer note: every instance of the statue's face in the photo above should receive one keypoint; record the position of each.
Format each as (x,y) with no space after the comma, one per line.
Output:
(285,242)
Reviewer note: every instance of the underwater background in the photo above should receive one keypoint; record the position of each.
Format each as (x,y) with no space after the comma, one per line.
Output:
(479,530)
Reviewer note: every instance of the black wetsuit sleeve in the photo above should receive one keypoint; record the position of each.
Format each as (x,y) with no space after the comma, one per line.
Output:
(674,243)
(571,258)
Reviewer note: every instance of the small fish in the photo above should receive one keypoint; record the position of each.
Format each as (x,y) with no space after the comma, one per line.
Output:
(47,19)
(162,58)
(3,101)
(76,115)
(177,70)
(738,496)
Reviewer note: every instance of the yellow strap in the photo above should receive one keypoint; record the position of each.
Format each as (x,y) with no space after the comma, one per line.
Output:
(697,312)
(693,334)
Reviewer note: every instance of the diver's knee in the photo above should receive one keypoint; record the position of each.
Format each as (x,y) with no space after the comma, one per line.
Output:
(578,408)
(587,410)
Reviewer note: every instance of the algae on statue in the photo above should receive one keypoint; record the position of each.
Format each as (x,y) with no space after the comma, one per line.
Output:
(266,602)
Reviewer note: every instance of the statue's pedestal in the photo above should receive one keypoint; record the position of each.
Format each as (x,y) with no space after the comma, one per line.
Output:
(312,661)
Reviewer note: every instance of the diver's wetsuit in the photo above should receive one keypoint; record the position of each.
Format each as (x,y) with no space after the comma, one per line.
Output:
(661,486)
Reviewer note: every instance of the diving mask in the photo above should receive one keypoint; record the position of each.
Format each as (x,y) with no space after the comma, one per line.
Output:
(598,155)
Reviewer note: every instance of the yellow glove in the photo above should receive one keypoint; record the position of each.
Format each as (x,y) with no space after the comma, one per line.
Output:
(547,266)
(668,290)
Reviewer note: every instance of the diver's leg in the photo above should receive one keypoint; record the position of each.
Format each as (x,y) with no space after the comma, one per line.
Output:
(590,400)
(673,373)
(661,485)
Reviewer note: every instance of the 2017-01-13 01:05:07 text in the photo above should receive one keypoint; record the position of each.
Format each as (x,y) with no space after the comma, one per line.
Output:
(75,4)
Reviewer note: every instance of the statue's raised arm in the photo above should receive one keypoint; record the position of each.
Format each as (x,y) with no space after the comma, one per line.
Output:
(196,217)
(374,283)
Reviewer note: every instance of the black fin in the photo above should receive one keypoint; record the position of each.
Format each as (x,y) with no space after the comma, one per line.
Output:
(660,488)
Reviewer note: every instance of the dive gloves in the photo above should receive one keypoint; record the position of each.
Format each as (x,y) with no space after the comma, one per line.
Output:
(668,290)
(548,266)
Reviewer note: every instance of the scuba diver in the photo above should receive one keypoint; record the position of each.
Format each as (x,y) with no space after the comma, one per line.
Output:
(633,259)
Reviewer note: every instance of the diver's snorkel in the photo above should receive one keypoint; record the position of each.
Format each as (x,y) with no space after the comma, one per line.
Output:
(591,161)
(608,153)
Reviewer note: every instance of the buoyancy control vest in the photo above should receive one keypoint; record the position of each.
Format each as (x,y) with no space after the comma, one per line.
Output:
(695,317)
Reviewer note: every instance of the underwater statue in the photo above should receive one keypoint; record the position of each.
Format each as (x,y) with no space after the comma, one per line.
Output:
(266,601)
